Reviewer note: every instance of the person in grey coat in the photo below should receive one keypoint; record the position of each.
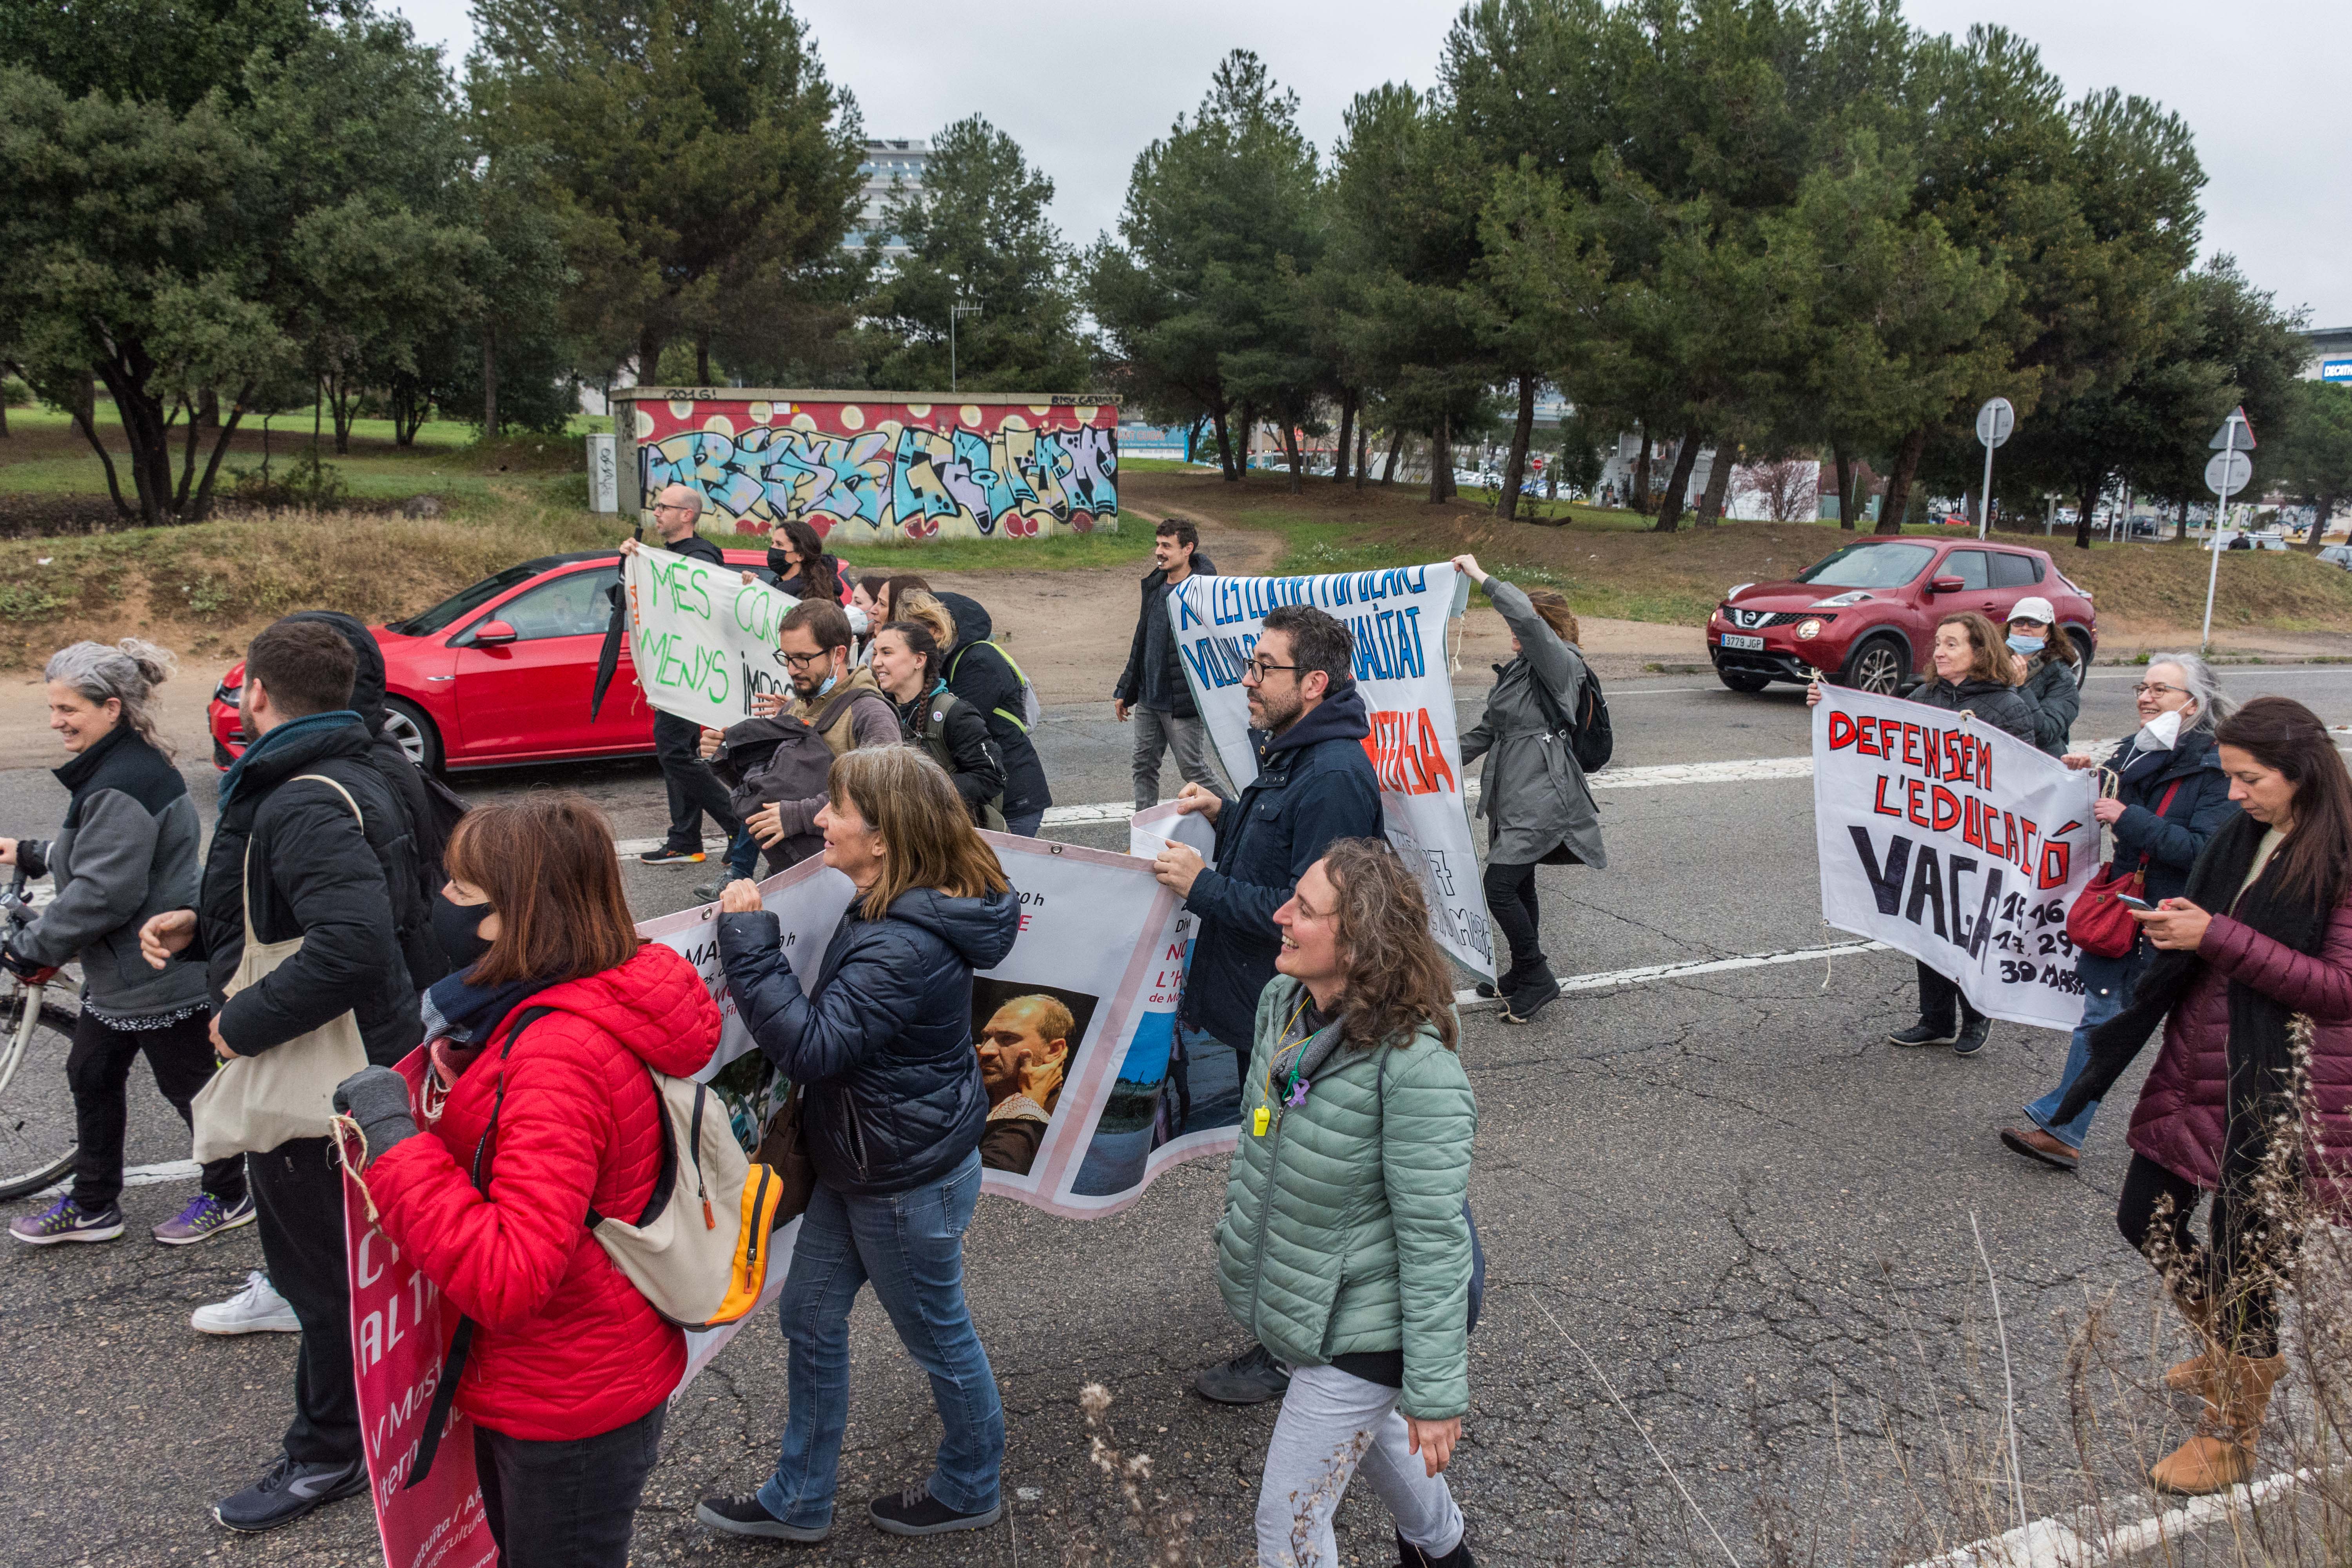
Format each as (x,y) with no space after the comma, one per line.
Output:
(1538,806)
(127,851)
(2054,676)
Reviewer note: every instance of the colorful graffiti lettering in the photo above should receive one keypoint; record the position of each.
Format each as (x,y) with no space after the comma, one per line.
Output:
(891,470)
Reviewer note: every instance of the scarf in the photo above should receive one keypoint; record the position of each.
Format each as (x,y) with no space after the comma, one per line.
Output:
(308,722)
(2261,1054)
(454,1008)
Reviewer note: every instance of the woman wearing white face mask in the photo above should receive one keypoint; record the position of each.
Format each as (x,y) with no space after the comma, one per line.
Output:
(2053,678)
(2171,796)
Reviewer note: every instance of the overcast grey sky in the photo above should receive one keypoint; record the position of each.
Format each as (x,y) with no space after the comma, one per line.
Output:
(1086,90)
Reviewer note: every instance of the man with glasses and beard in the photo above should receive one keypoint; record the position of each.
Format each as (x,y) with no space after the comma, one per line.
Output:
(1314,784)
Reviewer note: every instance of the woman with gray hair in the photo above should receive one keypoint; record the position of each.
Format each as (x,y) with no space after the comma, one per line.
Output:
(2163,795)
(127,851)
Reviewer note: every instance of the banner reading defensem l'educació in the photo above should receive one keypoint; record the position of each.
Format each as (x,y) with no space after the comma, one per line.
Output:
(1958,844)
(1397,619)
(703,640)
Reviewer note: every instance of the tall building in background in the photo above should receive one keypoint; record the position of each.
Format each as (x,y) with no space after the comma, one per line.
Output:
(886,162)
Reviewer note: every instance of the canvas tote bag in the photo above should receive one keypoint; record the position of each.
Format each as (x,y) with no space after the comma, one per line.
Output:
(255,1103)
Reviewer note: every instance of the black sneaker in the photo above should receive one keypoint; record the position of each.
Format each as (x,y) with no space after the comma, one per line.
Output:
(1252,1378)
(915,1511)
(1922,1034)
(1411,1556)
(665,856)
(1539,990)
(286,1491)
(708,892)
(747,1515)
(1972,1037)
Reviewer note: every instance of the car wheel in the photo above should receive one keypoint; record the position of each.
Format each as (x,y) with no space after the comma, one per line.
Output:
(1743,680)
(1878,666)
(405,723)
(2084,650)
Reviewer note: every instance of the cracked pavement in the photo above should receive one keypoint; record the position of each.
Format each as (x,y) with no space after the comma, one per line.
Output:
(1727,1230)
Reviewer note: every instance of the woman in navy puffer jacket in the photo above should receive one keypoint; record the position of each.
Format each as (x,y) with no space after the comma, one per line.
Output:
(892,1111)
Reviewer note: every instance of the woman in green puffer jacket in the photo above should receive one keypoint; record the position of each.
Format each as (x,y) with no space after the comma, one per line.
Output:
(1346,1245)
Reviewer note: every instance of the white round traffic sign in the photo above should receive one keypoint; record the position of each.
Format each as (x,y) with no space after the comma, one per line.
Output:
(2227,473)
(1995,420)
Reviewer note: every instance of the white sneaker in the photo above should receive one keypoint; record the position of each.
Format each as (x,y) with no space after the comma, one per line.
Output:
(257,1309)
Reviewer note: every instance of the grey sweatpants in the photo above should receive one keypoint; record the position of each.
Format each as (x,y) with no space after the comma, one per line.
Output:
(1156,732)
(1332,1424)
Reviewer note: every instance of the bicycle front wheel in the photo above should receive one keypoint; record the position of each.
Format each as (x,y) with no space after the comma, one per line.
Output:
(37,1111)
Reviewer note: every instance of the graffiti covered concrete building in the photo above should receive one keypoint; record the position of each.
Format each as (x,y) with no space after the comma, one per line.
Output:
(886,465)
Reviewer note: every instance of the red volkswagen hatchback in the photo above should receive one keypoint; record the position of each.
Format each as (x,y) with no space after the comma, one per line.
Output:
(501,672)
(1864,616)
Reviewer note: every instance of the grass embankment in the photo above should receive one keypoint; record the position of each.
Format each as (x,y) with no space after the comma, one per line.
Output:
(1610,564)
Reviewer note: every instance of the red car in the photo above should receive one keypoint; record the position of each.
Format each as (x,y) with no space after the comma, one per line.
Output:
(501,672)
(1865,616)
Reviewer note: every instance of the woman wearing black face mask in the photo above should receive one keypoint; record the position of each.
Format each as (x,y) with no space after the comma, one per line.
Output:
(803,569)
(454,1008)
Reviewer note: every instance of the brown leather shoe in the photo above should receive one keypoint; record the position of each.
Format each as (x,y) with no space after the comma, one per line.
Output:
(2035,1144)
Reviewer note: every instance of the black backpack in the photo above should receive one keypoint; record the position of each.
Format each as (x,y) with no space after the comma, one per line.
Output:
(765,760)
(1590,737)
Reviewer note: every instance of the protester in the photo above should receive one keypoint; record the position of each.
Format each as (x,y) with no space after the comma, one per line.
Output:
(2253,988)
(693,788)
(570,1369)
(886,601)
(1972,672)
(920,606)
(126,852)
(2170,798)
(893,1111)
(841,703)
(863,601)
(1346,1242)
(1314,785)
(1153,688)
(2053,672)
(984,675)
(800,564)
(906,665)
(1533,794)
(305,827)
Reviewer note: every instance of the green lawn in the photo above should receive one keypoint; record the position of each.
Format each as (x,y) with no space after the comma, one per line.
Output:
(1062,553)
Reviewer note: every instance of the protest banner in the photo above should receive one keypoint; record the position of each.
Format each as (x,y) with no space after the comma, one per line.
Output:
(702,639)
(1957,844)
(400,1333)
(1398,620)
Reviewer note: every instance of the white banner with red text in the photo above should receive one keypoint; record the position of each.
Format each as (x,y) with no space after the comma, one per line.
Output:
(1398,618)
(1957,844)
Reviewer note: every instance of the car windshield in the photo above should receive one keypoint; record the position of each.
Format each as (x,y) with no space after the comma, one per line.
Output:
(464,601)
(1869,566)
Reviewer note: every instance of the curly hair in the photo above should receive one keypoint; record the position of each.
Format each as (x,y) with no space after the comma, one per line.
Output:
(1396,977)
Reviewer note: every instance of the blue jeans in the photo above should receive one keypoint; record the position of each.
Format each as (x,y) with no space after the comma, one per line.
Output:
(742,855)
(910,1245)
(1026,823)
(2106,986)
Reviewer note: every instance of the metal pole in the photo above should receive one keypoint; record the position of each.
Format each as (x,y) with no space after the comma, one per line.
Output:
(1984,497)
(2213,544)
(952,364)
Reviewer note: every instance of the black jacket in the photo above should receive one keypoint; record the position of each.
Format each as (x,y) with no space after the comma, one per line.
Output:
(1314,784)
(413,795)
(315,877)
(881,1040)
(2166,847)
(1995,702)
(1154,677)
(957,738)
(978,671)
(694,547)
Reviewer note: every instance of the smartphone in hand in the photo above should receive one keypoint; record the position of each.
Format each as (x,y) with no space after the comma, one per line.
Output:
(2127,901)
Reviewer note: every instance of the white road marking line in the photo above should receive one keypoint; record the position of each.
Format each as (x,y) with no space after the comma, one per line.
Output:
(1650,975)
(140,1176)
(2048,1542)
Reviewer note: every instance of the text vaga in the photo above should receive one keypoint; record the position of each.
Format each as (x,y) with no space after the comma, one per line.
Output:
(1932,753)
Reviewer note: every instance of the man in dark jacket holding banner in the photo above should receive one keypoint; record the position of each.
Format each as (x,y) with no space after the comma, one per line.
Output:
(1152,688)
(1314,784)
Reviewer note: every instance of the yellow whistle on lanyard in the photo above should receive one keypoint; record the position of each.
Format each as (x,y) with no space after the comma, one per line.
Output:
(1259,1122)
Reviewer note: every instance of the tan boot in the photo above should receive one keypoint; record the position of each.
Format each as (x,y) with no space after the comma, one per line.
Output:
(2195,1375)
(2212,1463)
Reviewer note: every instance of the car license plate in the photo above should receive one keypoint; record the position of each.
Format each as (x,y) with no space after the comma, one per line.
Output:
(1734,639)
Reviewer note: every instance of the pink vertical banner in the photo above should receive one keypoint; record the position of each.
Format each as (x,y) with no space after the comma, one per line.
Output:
(400,1328)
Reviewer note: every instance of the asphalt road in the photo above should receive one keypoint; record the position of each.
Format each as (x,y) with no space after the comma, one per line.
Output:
(1730,1233)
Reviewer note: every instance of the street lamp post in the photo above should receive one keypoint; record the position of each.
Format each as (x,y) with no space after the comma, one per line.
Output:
(956,312)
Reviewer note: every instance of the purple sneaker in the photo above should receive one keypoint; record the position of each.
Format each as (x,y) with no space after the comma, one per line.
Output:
(205,1216)
(65,1220)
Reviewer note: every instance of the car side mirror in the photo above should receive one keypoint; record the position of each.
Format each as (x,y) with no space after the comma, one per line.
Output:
(1935,586)
(489,634)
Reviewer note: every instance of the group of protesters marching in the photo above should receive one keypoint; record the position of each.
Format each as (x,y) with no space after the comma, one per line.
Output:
(501,1013)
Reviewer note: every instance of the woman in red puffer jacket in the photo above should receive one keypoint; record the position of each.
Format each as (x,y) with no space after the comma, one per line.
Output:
(2253,984)
(570,1366)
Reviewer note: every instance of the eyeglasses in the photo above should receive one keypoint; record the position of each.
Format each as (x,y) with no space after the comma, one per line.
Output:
(2150,688)
(1257,670)
(694,507)
(808,660)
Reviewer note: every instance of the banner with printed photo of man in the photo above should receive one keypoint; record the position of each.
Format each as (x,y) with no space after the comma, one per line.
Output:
(1958,844)
(702,639)
(1399,620)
